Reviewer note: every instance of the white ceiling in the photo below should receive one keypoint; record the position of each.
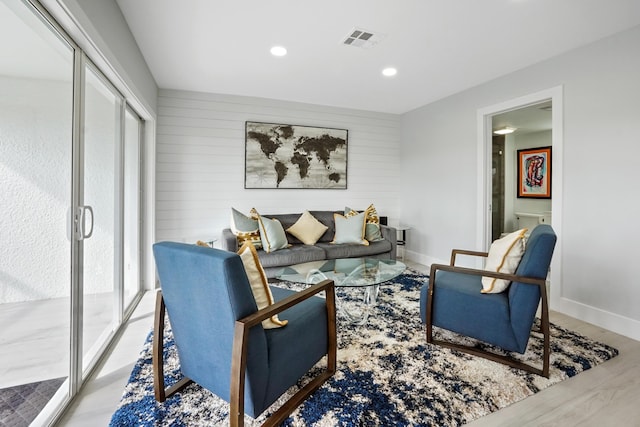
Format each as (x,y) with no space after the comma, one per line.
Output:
(534,118)
(440,47)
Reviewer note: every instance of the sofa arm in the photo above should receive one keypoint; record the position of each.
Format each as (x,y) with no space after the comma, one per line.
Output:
(390,234)
(229,242)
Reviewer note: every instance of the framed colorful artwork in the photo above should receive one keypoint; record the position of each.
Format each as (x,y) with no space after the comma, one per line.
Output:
(534,173)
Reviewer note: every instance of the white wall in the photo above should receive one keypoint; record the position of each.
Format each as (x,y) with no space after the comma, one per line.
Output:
(600,227)
(35,172)
(200,161)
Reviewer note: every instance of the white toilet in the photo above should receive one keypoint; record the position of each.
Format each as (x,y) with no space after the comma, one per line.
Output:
(529,220)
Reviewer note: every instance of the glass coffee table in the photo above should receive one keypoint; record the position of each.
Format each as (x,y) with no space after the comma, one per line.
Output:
(364,273)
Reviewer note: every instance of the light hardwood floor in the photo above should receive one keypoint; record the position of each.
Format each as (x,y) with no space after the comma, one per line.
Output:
(607,395)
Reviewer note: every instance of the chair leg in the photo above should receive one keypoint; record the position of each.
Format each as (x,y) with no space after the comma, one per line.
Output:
(544,326)
(505,360)
(158,362)
(161,394)
(429,308)
(544,329)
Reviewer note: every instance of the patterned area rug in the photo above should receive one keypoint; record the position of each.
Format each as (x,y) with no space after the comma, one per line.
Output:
(19,405)
(387,375)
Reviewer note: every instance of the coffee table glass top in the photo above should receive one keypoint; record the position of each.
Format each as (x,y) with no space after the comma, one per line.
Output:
(347,272)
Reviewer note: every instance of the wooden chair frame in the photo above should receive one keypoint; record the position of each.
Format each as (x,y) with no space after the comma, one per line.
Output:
(544,320)
(239,359)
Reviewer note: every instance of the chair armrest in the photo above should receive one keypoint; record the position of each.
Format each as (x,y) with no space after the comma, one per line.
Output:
(229,241)
(485,273)
(298,297)
(465,252)
(390,234)
(239,355)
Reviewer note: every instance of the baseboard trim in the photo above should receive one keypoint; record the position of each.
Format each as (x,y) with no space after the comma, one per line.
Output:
(422,259)
(605,319)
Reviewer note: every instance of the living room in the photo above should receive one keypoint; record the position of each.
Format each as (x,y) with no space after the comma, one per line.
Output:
(421,163)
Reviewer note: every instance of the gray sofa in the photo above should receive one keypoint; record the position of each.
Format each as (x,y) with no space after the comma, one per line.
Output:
(298,252)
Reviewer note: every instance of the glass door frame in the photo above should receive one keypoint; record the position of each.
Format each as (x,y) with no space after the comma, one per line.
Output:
(84,367)
(127,309)
(77,375)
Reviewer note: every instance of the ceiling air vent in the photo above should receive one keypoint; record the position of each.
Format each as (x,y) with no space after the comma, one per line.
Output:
(361,38)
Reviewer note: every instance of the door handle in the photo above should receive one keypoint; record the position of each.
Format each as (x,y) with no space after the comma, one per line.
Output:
(80,220)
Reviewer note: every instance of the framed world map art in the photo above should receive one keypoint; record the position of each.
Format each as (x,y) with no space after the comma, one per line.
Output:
(293,156)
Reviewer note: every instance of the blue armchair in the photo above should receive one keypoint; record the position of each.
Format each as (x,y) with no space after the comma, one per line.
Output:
(219,336)
(452,300)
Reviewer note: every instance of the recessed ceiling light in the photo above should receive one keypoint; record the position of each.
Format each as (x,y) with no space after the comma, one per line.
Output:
(278,51)
(389,72)
(504,130)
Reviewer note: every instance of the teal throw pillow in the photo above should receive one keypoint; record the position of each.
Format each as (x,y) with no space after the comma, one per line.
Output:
(244,228)
(272,234)
(241,222)
(372,232)
(350,229)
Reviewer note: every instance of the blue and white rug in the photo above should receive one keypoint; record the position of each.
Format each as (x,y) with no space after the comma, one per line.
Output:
(387,375)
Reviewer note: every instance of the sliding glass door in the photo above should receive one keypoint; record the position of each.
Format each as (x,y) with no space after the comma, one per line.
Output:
(101,162)
(131,209)
(70,223)
(36,163)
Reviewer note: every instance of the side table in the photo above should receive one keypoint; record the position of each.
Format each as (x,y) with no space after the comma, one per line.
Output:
(210,241)
(402,239)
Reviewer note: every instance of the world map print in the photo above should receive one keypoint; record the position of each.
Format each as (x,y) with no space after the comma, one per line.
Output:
(292,156)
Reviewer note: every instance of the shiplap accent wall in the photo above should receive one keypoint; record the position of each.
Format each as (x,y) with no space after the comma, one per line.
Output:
(200,161)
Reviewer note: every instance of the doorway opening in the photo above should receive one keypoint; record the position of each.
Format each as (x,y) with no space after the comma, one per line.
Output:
(526,128)
(485,202)
(497,186)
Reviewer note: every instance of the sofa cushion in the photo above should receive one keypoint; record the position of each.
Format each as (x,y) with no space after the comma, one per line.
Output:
(326,217)
(354,250)
(307,229)
(294,254)
(259,286)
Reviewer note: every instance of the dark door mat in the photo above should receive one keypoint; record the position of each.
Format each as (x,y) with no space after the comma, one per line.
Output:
(21,404)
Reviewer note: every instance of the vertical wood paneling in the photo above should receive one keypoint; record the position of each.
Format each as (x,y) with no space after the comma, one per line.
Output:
(200,161)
